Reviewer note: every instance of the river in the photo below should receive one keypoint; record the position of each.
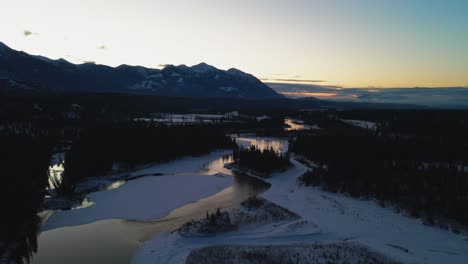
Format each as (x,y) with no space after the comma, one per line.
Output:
(116,240)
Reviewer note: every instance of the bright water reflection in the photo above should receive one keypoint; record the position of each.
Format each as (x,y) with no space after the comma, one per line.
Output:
(56,168)
(295,124)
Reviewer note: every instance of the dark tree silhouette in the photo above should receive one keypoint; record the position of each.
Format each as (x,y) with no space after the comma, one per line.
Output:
(416,159)
(264,161)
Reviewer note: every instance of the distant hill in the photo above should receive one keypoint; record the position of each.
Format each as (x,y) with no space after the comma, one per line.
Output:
(38,73)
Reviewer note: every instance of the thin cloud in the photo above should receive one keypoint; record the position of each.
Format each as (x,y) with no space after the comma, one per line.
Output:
(309,94)
(446,97)
(336,87)
(292,80)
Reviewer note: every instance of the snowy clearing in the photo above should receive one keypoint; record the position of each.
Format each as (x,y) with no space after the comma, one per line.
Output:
(251,213)
(170,118)
(185,165)
(143,199)
(361,123)
(366,222)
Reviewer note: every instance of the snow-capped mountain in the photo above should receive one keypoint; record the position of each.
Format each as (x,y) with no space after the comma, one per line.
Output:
(202,80)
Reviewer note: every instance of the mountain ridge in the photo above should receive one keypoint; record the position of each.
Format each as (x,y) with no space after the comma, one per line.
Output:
(39,73)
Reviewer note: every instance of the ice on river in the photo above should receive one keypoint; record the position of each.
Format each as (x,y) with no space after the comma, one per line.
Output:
(147,198)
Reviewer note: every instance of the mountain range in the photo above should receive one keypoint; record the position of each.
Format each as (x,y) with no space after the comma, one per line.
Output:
(27,72)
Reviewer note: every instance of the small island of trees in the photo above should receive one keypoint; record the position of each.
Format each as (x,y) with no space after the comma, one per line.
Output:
(262,161)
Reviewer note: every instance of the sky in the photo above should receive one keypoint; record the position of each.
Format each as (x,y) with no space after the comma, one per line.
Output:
(346,43)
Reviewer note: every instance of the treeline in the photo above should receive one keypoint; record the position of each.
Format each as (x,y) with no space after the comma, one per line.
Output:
(420,169)
(264,161)
(25,155)
(103,146)
(129,104)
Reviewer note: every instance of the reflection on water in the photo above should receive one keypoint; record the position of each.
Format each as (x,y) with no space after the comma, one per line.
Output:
(294,124)
(86,202)
(109,241)
(56,169)
(115,241)
(116,185)
(217,166)
(264,143)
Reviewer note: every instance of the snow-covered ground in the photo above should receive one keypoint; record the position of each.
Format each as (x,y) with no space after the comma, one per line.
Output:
(326,218)
(261,118)
(396,235)
(170,118)
(185,165)
(361,123)
(185,181)
(143,199)
(168,198)
(250,214)
(182,119)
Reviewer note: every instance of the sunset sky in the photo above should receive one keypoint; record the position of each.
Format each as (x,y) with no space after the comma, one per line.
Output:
(360,43)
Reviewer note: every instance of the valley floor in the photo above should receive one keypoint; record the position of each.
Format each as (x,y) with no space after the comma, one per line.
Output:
(329,222)
(327,219)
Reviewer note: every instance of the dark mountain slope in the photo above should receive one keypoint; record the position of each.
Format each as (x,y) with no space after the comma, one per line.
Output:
(46,75)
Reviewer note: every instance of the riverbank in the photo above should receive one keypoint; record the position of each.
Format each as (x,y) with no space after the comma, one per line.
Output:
(326,219)
(143,199)
(116,240)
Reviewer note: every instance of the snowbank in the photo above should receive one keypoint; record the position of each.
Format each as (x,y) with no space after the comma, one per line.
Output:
(143,199)
(252,213)
(327,218)
(345,218)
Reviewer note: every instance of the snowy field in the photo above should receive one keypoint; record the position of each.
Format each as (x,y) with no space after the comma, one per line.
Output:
(403,238)
(185,165)
(183,119)
(170,118)
(143,199)
(326,218)
(361,123)
(184,181)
